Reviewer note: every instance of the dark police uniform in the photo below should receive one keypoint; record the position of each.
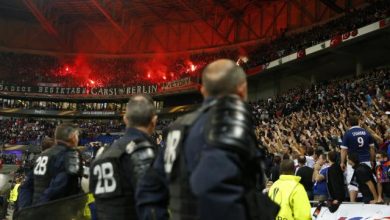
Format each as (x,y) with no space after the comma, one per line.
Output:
(211,166)
(57,172)
(115,173)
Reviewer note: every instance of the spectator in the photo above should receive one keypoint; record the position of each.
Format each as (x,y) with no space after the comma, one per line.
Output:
(309,158)
(335,181)
(386,144)
(297,206)
(306,174)
(382,176)
(363,179)
(275,169)
(320,191)
(356,140)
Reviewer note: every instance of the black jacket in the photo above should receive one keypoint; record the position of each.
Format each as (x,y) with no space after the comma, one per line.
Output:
(335,183)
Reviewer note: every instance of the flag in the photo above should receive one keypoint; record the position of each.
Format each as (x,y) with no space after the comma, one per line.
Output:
(354,33)
(346,35)
(255,70)
(301,54)
(336,40)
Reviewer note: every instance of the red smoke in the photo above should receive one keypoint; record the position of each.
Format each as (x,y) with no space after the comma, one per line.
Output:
(88,72)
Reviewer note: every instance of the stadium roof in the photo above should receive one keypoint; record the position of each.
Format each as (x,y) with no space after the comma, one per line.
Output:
(168,25)
(149,11)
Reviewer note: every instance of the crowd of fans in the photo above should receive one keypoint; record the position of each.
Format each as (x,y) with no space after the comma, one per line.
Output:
(9,159)
(49,105)
(29,131)
(316,116)
(27,69)
(303,124)
(33,70)
(25,131)
(308,125)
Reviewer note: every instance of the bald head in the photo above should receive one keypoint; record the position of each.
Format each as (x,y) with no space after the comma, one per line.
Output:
(224,77)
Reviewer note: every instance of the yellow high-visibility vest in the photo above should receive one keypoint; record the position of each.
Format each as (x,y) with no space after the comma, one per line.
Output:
(13,195)
(87,210)
(291,196)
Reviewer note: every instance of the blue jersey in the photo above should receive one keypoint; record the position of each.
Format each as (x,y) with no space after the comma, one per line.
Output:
(358,140)
(320,187)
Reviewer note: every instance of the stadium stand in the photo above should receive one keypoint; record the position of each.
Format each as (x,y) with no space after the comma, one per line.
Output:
(28,69)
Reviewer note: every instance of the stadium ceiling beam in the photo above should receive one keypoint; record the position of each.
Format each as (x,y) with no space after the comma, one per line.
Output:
(332,5)
(45,23)
(158,15)
(96,35)
(236,15)
(191,9)
(200,34)
(304,10)
(274,20)
(108,16)
(158,40)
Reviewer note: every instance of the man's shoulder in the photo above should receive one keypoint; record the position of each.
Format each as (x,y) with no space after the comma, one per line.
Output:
(306,169)
(324,169)
(299,188)
(126,139)
(56,150)
(275,168)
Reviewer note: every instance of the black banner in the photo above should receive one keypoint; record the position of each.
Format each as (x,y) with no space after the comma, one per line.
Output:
(147,89)
(87,114)
(60,113)
(177,84)
(184,83)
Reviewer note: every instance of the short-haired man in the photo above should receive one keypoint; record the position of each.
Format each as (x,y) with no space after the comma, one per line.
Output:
(363,179)
(356,140)
(209,159)
(25,196)
(58,169)
(290,194)
(335,180)
(275,170)
(306,174)
(114,174)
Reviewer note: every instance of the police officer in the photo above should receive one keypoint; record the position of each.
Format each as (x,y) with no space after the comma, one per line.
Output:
(115,172)
(210,157)
(57,171)
(25,195)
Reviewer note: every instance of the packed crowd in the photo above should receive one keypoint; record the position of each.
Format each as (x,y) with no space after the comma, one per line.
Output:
(316,116)
(310,126)
(35,69)
(49,105)
(9,158)
(25,131)
(32,70)
(29,131)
